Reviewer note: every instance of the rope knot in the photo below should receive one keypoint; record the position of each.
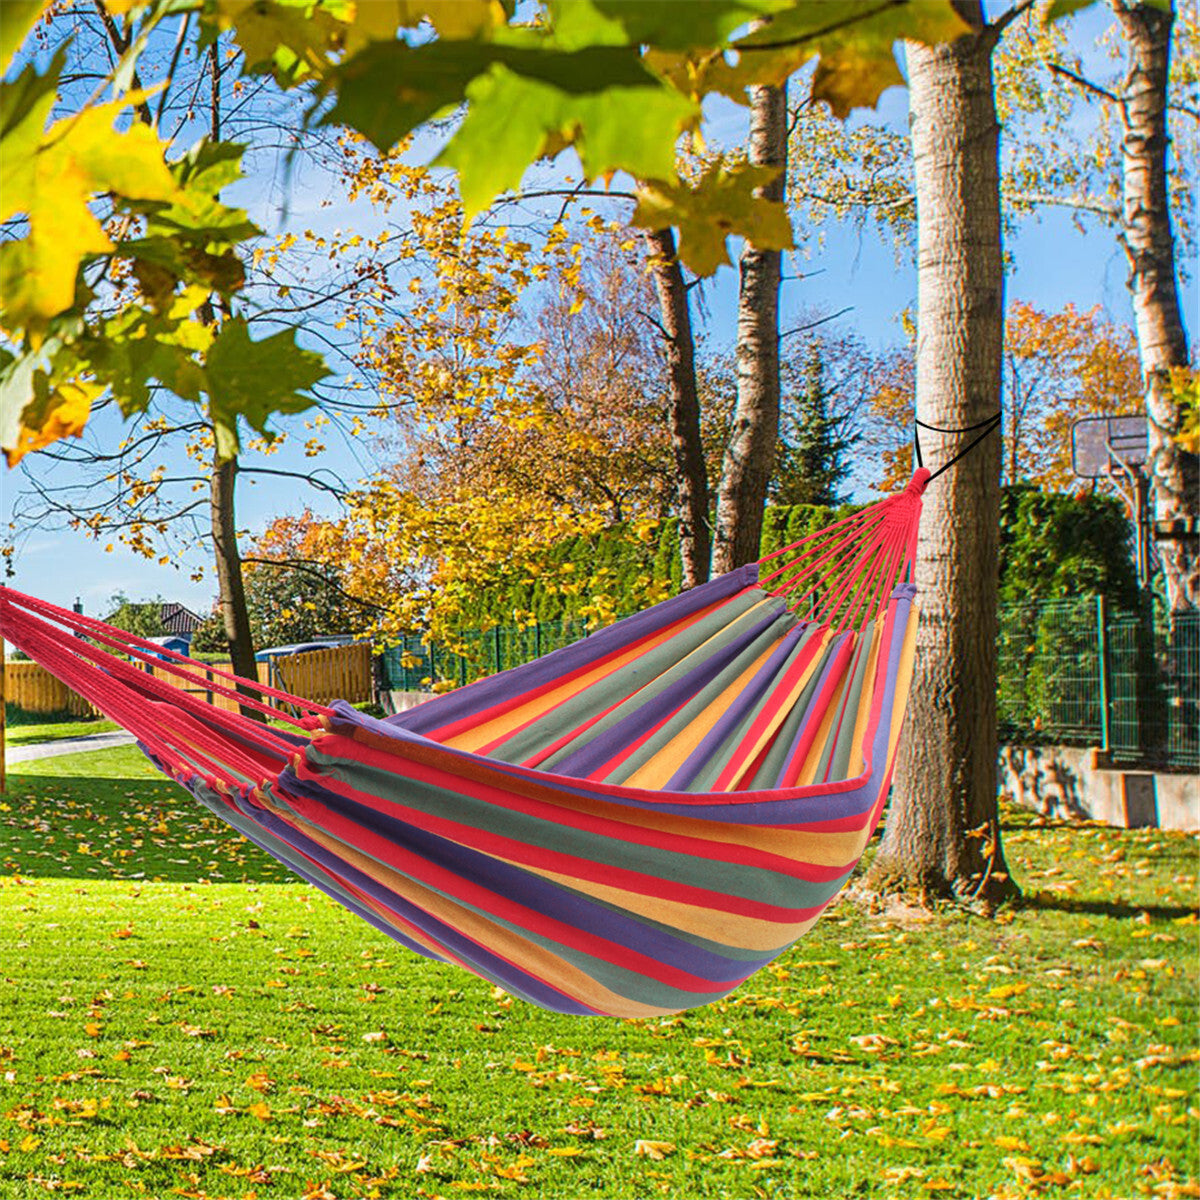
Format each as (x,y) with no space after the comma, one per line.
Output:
(916,485)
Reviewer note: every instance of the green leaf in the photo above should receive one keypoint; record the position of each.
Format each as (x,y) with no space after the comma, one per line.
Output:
(722,202)
(389,89)
(1056,10)
(513,119)
(196,213)
(659,23)
(253,380)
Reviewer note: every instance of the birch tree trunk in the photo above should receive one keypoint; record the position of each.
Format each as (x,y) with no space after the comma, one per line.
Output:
(691,474)
(1150,247)
(942,836)
(750,455)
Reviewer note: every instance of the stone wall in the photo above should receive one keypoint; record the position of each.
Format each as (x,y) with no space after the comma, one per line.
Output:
(1066,782)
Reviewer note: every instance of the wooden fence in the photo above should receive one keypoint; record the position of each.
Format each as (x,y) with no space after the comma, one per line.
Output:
(339,673)
(34,689)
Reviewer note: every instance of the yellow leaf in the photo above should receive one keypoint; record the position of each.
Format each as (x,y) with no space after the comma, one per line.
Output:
(92,1029)
(261,1110)
(62,414)
(565,1151)
(1006,990)
(653,1150)
(1004,1142)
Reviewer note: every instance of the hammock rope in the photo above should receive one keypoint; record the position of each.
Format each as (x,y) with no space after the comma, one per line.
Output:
(631,825)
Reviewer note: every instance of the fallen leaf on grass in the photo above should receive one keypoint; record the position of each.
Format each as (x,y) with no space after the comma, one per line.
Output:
(653,1150)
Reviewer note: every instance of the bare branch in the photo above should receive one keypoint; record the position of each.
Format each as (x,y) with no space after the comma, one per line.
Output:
(1086,84)
(308,566)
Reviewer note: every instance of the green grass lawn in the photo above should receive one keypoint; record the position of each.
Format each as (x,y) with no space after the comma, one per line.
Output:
(29,735)
(178,1017)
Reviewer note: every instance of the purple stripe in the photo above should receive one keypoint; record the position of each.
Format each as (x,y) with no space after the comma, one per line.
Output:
(776,810)
(733,715)
(618,737)
(465,702)
(510,977)
(531,890)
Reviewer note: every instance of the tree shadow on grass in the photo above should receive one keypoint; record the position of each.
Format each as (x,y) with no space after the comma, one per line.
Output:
(1104,908)
(72,827)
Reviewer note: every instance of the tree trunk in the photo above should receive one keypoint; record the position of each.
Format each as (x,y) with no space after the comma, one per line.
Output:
(750,455)
(232,597)
(691,474)
(943,833)
(1150,247)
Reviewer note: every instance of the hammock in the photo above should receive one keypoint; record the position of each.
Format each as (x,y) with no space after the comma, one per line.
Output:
(631,825)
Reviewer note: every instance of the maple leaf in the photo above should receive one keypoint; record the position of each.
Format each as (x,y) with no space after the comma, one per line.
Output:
(50,175)
(254,380)
(722,202)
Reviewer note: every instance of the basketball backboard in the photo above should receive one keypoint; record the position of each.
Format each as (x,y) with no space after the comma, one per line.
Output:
(1102,447)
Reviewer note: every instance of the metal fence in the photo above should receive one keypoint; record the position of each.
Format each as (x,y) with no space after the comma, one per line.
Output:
(1071,672)
(1075,672)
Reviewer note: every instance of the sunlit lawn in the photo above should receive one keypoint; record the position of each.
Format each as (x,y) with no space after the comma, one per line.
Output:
(29,735)
(178,1017)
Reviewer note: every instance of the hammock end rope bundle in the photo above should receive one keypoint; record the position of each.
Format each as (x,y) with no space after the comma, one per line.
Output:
(632,825)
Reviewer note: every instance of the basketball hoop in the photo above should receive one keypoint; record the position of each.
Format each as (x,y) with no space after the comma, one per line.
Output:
(1117,449)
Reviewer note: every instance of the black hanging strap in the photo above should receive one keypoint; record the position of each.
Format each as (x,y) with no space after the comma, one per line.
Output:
(988,425)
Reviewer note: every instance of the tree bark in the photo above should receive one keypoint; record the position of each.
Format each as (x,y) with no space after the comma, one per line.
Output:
(1150,248)
(691,474)
(750,455)
(943,832)
(232,590)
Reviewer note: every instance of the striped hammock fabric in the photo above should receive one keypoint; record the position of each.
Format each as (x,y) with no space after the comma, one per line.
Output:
(631,826)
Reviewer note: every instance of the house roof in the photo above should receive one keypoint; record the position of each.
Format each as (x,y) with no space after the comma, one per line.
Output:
(176,618)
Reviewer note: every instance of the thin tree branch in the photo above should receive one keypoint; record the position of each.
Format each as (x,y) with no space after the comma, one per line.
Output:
(818,322)
(1086,84)
(307,567)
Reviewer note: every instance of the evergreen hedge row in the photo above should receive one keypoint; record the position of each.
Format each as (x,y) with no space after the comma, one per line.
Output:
(1052,546)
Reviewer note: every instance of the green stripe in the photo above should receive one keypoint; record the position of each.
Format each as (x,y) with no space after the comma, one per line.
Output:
(538,833)
(633,678)
(702,700)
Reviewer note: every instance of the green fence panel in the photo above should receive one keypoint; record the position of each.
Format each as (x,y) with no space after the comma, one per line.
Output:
(1070,672)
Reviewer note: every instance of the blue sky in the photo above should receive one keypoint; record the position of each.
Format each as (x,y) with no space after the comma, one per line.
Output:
(1054,264)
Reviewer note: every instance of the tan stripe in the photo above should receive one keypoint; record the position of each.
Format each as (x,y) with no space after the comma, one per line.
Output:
(656,772)
(823,849)
(817,749)
(866,701)
(726,929)
(785,710)
(904,674)
(539,962)
(482,735)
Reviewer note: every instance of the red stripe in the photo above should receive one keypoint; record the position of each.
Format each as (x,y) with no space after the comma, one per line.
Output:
(553,812)
(779,696)
(494,903)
